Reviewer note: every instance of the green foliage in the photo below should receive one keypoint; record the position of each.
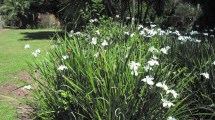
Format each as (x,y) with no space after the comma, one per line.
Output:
(97,82)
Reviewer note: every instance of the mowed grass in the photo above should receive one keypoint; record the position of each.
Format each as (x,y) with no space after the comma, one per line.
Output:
(14,58)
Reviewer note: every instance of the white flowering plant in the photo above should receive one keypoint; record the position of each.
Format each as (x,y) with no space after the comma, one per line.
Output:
(116,72)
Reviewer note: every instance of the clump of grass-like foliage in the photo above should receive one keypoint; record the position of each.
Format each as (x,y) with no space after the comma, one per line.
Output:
(110,71)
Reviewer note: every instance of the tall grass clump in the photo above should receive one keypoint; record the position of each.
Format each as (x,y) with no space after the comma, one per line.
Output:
(111,71)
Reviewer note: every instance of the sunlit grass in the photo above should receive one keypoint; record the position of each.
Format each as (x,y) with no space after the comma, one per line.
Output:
(13,58)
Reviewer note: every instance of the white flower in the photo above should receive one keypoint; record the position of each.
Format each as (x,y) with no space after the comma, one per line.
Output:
(165,50)
(71,33)
(117,16)
(171,118)
(78,33)
(173,93)
(177,33)
(193,32)
(34,54)
(205,34)
(132,34)
(134,73)
(206,75)
(154,57)
(153,62)
(140,27)
(162,85)
(126,33)
(134,66)
(94,41)
(93,20)
(153,49)
(198,41)
(96,55)
(27,46)
(97,31)
(167,103)
(62,67)
(104,43)
(213,63)
(38,50)
(28,87)
(64,57)
(142,32)
(147,68)
(148,80)
(127,18)
(152,26)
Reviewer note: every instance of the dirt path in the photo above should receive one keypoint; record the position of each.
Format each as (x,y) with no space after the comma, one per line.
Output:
(11,92)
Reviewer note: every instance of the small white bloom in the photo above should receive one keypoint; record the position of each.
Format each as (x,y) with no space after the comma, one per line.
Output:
(162,85)
(165,50)
(140,27)
(205,34)
(148,80)
(127,18)
(213,63)
(177,33)
(62,67)
(153,49)
(153,62)
(134,73)
(154,57)
(152,25)
(104,43)
(198,41)
(167,103)
(171,118)
(193,32)
(93,20)
(132,34)
(96,20)
(94,41)
(117,16)
(64,57)
(97,31)
(27,46)
(126,33)
(28,87)
(96,55)
(71,33)
(78,33)
(34,54)
(134,66)
(206,75)
(173,92)
(147,68)
(38,50)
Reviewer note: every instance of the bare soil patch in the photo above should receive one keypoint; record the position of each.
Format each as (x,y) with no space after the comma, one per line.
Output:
(12,93)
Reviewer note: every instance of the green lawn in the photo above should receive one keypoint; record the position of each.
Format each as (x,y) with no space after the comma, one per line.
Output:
(13,58)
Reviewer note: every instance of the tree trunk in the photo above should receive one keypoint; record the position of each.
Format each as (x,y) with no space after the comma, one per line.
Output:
(146,13)
(133,8)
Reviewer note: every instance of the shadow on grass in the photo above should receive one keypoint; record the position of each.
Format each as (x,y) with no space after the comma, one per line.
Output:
(41,35)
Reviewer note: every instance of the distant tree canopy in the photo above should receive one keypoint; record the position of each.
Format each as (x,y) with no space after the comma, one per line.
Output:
(76,13)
